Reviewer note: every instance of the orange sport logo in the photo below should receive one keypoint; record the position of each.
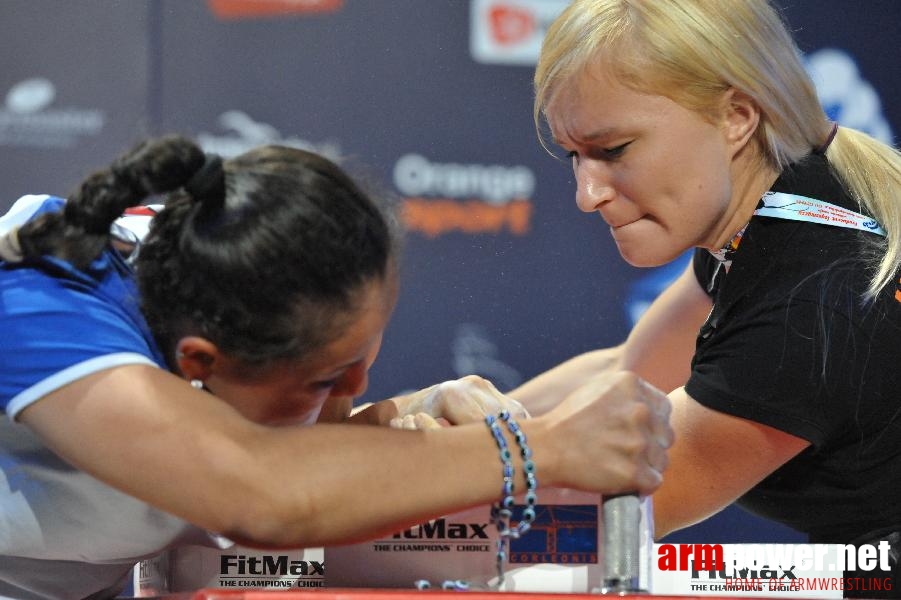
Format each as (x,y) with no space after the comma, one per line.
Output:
(443,198)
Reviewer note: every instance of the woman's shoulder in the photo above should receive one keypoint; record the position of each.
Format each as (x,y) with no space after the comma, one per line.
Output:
(800,240)
(813,177)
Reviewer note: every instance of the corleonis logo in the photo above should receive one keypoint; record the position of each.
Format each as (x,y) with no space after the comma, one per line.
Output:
(566,534)
(239,9)
(468,198)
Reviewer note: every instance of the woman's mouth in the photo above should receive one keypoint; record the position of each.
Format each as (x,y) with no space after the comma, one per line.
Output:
(620,224)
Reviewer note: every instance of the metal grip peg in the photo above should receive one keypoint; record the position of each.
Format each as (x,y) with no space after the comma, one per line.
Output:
(622,544)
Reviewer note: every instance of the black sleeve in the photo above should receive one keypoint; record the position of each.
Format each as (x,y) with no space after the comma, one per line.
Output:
(789,365)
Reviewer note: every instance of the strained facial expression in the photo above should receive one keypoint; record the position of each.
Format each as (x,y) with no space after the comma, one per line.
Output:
(293,392)
(656,172)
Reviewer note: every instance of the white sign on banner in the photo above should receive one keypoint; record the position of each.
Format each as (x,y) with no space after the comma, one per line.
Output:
(563,552)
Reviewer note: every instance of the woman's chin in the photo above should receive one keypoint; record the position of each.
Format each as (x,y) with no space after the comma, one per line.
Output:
(646,257)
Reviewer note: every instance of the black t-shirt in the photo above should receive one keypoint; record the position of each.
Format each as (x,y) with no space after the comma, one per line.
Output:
(792,344)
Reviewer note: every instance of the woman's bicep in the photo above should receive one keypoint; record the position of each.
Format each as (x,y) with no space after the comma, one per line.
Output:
(715,459)
(660,346)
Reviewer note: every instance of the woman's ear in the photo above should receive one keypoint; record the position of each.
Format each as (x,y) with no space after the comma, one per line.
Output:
(741,117)
(196,357)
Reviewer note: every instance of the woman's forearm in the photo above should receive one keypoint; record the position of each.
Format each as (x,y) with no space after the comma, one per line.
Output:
(188,453)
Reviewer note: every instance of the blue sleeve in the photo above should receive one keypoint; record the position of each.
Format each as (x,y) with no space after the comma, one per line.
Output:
(55,330)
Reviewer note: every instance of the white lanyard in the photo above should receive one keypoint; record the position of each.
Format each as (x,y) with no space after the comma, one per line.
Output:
(802,208)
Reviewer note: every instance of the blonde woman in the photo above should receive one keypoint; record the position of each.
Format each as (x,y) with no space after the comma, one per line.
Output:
(692,124)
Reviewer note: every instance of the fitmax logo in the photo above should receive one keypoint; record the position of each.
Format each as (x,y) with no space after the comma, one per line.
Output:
(239,564)
(440,528)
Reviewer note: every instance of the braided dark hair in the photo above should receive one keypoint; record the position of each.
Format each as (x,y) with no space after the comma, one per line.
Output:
(80,232)
(264,254)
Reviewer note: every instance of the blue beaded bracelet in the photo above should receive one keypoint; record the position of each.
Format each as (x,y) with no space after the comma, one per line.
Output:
(501,512)
(528,467)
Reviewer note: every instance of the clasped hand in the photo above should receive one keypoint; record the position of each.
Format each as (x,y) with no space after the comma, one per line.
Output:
(455,402)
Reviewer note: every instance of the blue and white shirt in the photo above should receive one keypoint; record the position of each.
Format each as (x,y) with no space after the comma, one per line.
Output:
(64,534)
(60,324)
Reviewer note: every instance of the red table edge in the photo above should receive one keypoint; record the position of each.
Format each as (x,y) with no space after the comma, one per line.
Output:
(405,594)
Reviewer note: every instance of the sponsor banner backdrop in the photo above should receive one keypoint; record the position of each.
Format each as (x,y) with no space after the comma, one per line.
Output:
(430,104)
(74,89)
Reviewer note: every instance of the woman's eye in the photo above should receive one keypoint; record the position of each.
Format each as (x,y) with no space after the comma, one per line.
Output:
(616,151)
(600,153)
(324,385)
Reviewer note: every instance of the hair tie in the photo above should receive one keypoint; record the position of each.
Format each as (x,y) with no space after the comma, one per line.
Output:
(208,183)
(10,249)
(822,149)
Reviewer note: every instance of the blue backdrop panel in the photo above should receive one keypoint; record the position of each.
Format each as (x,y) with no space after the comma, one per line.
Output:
(73,89)
(430,103)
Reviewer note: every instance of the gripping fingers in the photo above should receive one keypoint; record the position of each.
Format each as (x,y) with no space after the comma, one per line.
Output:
(418,421)
(469,399)
(661,410)
(425,421)
(648,480)
(459,401)
(658,436)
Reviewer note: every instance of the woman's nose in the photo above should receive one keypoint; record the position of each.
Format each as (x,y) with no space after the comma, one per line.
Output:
(353,383)
(593,186)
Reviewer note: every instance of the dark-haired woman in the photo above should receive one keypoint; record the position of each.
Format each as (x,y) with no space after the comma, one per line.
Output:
(266,282)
